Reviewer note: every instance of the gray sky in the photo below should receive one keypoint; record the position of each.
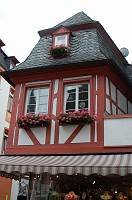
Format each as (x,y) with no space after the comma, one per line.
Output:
(20,20)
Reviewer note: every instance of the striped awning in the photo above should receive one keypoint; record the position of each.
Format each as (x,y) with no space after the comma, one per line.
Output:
(69,164)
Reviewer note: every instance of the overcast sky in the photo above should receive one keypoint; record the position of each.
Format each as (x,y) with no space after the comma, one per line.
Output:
(20,20)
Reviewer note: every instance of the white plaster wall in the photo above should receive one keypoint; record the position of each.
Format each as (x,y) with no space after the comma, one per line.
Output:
(39,133)
(23,138)
(4,93)
(95,133)
(65,132)
(120,112)
(122,102)
(118,132)
(82,137)
(54,106)
(52,135)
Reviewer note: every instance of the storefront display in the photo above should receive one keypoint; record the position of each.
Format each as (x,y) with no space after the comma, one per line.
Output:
(80,187)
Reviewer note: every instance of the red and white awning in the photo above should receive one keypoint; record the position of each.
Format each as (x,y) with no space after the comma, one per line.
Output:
(70,164)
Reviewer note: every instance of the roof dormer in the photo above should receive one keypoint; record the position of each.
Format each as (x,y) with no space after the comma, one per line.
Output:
(60,43)
(61,37)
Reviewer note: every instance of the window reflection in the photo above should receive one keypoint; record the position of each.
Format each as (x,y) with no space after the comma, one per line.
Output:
(76,97)
(37,100)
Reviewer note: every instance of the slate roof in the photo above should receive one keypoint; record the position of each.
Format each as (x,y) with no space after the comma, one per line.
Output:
(77,19)
(85,45)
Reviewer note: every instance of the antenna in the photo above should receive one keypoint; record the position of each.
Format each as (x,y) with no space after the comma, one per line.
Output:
(124,51)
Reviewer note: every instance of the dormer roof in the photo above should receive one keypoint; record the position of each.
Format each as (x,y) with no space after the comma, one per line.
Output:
(5,60)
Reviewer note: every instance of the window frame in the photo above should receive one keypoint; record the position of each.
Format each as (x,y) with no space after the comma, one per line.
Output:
(37,87)
(66,40)
(77,82)
(4,141)
(10,100)
(61,31)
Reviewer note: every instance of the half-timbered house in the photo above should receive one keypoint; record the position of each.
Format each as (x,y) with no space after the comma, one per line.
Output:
(72,111)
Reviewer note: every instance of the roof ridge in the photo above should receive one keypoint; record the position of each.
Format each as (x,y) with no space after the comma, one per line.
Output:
(77,19)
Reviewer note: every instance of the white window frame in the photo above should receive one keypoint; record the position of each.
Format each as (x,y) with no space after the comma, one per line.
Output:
(37,99)
(77,99)
(4,144)
(59,36)
(10,101)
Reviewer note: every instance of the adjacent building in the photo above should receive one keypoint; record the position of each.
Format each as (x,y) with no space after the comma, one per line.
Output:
(6,100)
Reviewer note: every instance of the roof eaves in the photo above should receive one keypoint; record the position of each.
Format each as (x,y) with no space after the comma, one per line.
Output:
(84,26)
(4,74)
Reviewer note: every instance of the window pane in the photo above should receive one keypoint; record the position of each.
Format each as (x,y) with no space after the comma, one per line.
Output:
(43,100)
(60,40)
(71,97)
(32,92)
(71,88)
(32,100)
(42,109)
(31,108)
(37,100)
(83,104)
(43,91)
(83,95)
(83,87)
(70,106)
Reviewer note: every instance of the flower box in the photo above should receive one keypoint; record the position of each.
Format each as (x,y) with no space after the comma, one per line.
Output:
(59,51)
(33,120)
(77,117)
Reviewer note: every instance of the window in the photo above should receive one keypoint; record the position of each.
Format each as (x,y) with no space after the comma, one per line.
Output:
(61,40)
(11,65)
(76,97)
(37,100)
(4,142)
(10,101)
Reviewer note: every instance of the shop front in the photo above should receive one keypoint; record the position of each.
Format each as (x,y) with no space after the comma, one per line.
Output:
(71,177)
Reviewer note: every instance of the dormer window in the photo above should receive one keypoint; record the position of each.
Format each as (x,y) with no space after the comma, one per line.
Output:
(60,44)
(61,37)
(61,40)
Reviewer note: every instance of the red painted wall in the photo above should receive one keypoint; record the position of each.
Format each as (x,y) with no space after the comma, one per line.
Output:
(5,188)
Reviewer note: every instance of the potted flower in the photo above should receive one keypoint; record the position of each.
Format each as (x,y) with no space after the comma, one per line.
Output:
(76,117)
(31,120)
(71,196)
(58,51)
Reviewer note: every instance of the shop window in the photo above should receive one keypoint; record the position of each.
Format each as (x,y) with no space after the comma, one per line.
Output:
(37,100)
(4,144)
(10,101)
(76,97)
